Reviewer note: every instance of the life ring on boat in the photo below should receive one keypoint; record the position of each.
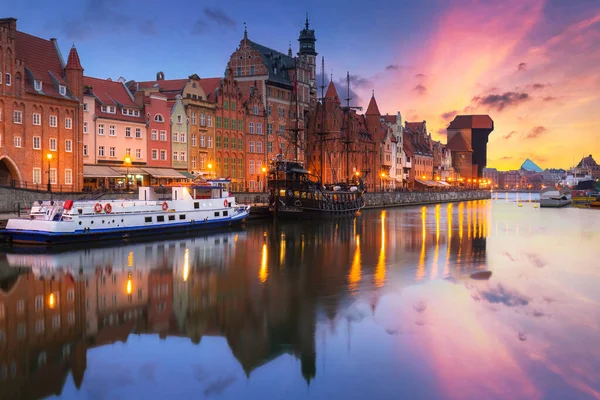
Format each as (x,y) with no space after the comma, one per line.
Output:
(165,206)
(226,203)
(298,203)
(98,207)
(107,208)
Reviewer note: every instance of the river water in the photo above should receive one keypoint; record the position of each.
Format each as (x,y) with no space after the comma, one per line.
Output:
(383,306)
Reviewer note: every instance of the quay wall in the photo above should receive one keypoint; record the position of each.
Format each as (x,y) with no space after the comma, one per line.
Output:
(398,199)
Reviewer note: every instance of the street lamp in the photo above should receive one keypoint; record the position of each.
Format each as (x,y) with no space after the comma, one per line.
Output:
(382,177)
(209,170)
(127,162)
(264,171)
(49,157)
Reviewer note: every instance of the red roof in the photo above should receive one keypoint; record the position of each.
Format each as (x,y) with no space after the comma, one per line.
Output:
(171,85)
(42,60)
(73,61)
(458,143)
(389,119)
(210,85)
(414,126)
(115,93)
(332,94)
(373,109)
(471,122)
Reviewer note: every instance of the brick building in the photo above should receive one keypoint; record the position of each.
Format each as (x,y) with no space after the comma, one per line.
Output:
(258,145)
(40,113)
(475,130)
(420,147)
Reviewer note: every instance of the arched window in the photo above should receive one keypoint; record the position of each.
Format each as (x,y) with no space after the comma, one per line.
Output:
(7,79)
(159,118)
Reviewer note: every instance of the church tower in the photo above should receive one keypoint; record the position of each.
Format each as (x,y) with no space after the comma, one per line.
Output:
(309,55)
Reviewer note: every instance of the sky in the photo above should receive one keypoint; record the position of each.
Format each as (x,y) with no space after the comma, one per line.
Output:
(532,65)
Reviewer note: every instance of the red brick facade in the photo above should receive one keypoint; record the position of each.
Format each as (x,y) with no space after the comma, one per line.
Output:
(40,112)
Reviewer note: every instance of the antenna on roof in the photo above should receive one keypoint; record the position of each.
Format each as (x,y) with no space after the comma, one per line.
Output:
(307,21)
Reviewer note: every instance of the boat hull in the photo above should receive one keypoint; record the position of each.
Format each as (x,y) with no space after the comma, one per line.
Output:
(40,237)
(312,213)
(554,203)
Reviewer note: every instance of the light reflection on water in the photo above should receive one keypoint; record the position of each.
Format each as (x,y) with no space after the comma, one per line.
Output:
(381,306)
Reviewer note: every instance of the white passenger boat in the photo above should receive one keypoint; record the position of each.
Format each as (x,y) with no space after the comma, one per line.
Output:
(553,197)
(157,211)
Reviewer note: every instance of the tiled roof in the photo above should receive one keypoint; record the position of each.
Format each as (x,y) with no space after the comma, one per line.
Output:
(272,59)
(210,85)
(587,162)
(112,93)
(391,119)
(414,126)
(332,94)
(471,122)
(73,61)
(42,62)
(372,109)
(165,85)
(458,143)
(407,146)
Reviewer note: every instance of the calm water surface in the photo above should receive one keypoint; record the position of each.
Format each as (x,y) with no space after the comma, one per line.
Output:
(381,307)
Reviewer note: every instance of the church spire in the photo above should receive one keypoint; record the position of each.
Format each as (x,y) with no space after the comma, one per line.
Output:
(372,109)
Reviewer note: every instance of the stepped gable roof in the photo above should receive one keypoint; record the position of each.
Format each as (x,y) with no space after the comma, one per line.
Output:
(277,63)
(332,94)
(407,146)
(115,93)
(459,143)
(73,61)
(529,165)
(42,62)
(588,162)
(472,122)
(372,109)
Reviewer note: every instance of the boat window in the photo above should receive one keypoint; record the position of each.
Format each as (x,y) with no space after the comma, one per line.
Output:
(297,194)
(171,218)
(281,192)
(217,214)
(196,205)
(225,213)
(303,195)
(160,218)
(182,216)
(148,219)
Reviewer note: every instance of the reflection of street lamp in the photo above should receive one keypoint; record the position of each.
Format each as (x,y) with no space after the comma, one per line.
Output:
(127,162)
(49,157)
(209,170)
(264,171)
(129,287)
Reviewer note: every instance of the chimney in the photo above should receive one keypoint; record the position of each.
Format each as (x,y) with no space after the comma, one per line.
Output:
(160,76)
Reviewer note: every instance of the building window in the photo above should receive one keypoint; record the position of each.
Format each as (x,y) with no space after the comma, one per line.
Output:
(259,147)
(85,127)
(53,121)
(182,156)
(18,117)
(7,79)
(209,142)
(21,305)
(218,142)
(193,162)
(251,165)
(68,123)
(52,144)
(112,130)
(240,125)
(154,154)
(37,119)
(100,151)
(259,128)
(68,177)
(163,155)
(86,150)
(71,318)
(158,118)
(233,106)
(281,130)
(226,105)
(62,89)
(154,134)
(202,141)
(182,138)
(56,322)
(238,71)
(101,129)
(270,147)
(37,175)
(202,161)
(209,121)
(218,122)
(251,145)
(202,119)
(138,154)
(226,123)
(255,110)
(252,70)
(68,146)
(127,132)
(112,151)
(194,118)
(53,176)
(163,136)
(39,303)
(37,143)
(193,138)
(138,133)
(175,156)
(39,326)
(251,127)
(226,142)
(269,129)
(251,185)
(128,152)
(17,141)
(179,119)
(85,106)
(240,144)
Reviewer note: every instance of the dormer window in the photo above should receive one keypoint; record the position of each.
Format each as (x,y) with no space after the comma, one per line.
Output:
(158,118)
(108,109)
(37,85)
(62,89)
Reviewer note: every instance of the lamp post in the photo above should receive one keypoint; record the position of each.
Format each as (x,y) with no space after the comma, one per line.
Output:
(382,177)
(264,171)
(209,170)
(127,162)
(49,157)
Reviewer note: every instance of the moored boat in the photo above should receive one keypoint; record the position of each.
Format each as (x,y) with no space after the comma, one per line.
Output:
(157,211)
(553,197)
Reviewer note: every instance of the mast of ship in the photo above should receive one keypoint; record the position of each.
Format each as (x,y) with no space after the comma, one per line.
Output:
(347,139)
(296,129)
(322,138)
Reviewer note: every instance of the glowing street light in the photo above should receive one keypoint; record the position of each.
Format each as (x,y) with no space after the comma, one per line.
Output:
(49,157)
(127,162)
(51,301)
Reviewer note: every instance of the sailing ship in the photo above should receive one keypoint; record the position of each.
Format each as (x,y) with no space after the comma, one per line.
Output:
(296,193)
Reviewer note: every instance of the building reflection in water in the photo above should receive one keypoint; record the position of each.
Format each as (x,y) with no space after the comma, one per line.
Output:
(263,288)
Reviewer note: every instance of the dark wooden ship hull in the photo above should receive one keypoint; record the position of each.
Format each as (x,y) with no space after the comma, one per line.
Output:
(320,206)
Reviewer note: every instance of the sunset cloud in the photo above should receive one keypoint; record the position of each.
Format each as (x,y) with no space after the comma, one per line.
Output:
(522,66)
(535,132)
(499,102)
(509,135)
(449,115)
(420,89)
